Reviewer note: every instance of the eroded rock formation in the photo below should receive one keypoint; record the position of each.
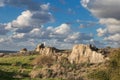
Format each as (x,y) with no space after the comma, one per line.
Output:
(80,53)
(85,53)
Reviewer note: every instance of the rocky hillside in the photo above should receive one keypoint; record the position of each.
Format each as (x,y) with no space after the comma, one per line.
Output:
(50,63)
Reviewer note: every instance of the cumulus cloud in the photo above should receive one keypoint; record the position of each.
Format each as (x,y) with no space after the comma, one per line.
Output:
(27,25)
(35,15)
(108,13)
(62,29)
(50,32)
(115,38)
(28,18)
(19,35)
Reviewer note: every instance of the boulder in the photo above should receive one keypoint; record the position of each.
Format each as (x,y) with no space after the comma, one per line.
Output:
(85,53)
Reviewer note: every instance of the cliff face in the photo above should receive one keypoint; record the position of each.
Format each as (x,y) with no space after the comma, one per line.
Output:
(85,53)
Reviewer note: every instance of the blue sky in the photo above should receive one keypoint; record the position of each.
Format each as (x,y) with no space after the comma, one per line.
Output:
(59,23)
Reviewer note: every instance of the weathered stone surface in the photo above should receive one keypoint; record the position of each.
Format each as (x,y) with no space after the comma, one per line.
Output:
(85,53)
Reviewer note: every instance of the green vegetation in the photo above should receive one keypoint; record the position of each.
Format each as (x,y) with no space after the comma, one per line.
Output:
(13,67)
(18,68)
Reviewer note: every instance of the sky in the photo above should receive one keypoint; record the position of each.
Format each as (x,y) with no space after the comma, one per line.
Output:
(59,23)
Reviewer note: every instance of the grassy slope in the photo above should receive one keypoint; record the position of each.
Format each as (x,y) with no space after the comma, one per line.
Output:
(12,66)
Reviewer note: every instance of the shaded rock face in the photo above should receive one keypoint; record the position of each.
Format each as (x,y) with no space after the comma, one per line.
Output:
(85,53)
(45,50)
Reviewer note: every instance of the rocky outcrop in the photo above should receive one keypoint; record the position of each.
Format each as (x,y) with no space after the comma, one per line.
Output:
(80,53)
(42,49)
(85,53)
(39,47)
(23,51)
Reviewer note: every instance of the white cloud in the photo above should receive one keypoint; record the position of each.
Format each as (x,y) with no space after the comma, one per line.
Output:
(101,31)
(29,18)
(62,29)
(1,40)
(113,40)
(18,35)
(109,21)
(60,32)
(23,20)
(115,37)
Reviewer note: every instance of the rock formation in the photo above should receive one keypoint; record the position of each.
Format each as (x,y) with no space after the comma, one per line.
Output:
(85,53)
(39,47)
(23,51)
(80,53)
(45,50)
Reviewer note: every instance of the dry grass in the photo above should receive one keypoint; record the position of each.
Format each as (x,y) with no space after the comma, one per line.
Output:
(43,60)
